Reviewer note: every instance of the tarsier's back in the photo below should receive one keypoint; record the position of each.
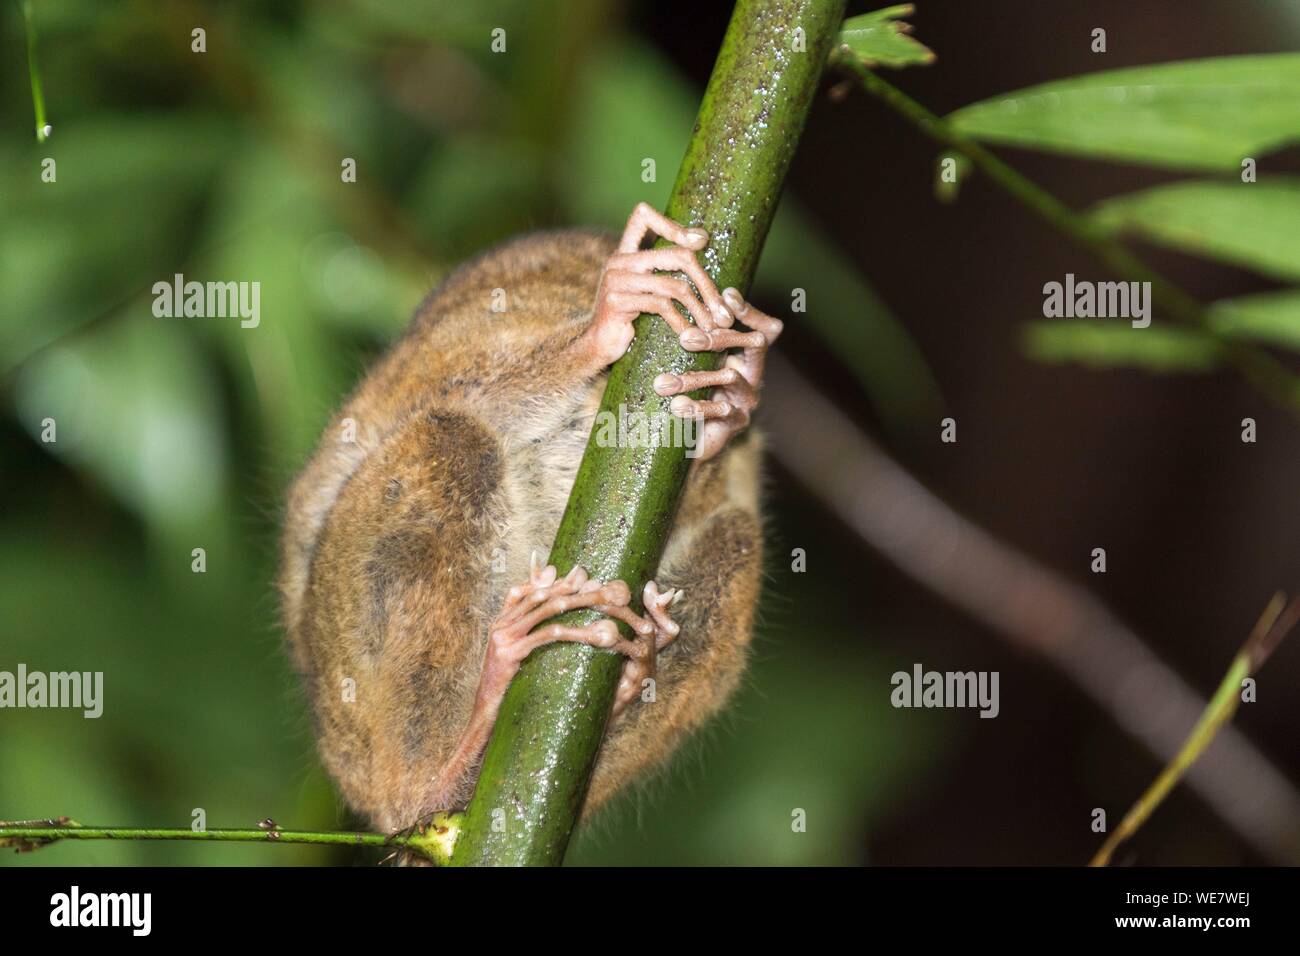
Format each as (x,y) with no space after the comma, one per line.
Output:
(424,503)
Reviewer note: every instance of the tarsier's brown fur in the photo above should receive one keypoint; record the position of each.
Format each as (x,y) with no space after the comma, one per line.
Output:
(468,435)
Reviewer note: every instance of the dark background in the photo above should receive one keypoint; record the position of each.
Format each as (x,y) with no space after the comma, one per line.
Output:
(225,166)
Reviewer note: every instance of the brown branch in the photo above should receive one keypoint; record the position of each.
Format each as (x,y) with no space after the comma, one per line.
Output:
(1027,604)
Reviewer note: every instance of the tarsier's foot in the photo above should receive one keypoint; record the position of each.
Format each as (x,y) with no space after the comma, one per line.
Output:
(633,282)
(512,638)
(641,665)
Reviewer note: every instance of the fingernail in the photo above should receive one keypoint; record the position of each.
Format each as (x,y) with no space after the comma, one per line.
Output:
(735,301)
(694,338)
(696,234)
(681,405)
(667,384)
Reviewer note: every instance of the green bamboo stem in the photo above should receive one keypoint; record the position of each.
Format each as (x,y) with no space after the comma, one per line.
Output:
(1260,369)
(538,762)
(434,843)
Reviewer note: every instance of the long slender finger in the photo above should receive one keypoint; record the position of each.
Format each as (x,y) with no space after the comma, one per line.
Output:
(739,393)
(559,605)
(700,340)
(628,616)
(675,260)
(679,290)
(684,406)
(670,384)
(602,634)
(749,363)
(646,218)
(659,305)
(657,604)
(540,574)
(770,326)
(539,578)
(638,264)
(532,598)
(622,282)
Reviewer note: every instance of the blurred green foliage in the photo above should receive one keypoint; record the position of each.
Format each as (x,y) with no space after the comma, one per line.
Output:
(1220,114)
(1194,115)
(1250,224)
(181,433)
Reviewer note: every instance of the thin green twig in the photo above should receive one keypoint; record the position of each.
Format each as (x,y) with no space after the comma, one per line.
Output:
(34,72)
(434,843)
(1272,626)
(1259,368)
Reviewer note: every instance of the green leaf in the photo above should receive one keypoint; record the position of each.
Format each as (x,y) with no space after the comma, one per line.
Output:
(1272,317)
(79,248)
(1111,344)
(1197,114)
(1255,225)
(880,38)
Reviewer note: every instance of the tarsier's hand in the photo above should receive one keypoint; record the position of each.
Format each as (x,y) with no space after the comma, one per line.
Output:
(634,282)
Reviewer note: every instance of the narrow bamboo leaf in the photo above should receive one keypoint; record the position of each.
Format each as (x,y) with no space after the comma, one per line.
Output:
(1272,317)
(881,38)
(1255,225)
(1277,620)
(1112,344)
(1197,114)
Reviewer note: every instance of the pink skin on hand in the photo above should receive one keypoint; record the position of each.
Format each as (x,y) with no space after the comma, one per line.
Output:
(633,282)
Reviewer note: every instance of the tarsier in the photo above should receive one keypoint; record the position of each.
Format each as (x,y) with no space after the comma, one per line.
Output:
(465,439)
